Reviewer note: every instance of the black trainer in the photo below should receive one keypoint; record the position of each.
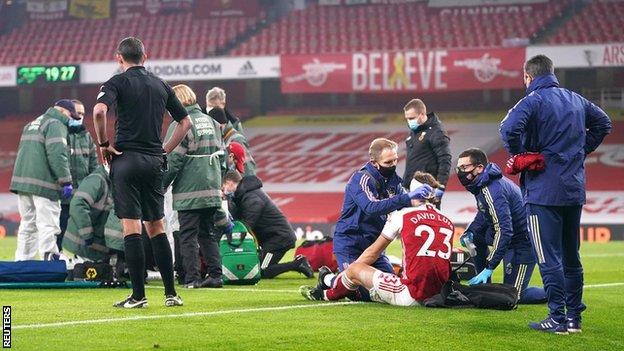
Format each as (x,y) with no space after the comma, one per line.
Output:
(304,267)
(212,282)
(129,302)
(193,285)
(322,273)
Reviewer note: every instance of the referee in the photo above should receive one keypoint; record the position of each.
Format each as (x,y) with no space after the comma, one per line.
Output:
(137,162)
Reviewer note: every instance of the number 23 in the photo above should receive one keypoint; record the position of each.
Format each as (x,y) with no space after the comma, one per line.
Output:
(424,250)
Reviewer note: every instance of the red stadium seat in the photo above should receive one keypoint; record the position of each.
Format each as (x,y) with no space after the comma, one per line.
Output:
(94,40)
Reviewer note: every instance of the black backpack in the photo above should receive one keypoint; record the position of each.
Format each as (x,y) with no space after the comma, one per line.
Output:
(488,296)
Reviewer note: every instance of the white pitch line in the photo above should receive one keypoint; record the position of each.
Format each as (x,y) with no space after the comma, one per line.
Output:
(602,285)
(605,285)
(620,254)
(230,289)
(181,315)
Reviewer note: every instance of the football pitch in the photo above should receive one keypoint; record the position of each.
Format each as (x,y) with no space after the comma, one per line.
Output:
(272,315)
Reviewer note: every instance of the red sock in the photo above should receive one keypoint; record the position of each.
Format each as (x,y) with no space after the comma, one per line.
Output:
(342,287)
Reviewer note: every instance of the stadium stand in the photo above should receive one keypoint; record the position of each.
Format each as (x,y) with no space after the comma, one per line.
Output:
(172,36)
(605,19)
(398,26)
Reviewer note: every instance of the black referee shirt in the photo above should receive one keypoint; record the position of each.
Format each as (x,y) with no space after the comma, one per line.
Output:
(140,99)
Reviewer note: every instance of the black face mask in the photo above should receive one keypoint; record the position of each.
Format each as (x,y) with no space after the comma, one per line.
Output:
(387,172)
(463,178)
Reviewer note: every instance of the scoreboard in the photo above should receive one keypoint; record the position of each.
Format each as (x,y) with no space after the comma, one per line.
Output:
(48,74)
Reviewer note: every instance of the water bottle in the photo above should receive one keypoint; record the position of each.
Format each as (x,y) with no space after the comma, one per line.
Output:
(466,241)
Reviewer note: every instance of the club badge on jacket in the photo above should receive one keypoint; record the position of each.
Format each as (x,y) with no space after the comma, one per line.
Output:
(422,136)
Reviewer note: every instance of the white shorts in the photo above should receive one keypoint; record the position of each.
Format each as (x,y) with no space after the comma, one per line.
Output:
(388,288)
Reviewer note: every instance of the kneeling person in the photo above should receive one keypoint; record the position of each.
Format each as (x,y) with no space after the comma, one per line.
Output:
(426,236)
(251,205)
(93,231)
(500,224)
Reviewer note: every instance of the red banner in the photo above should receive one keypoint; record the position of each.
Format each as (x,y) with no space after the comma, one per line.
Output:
(403,71)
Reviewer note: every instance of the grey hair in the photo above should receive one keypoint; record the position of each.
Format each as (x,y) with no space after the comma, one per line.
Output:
(215,93)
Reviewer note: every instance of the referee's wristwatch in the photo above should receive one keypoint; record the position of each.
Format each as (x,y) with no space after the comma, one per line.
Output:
(105,144)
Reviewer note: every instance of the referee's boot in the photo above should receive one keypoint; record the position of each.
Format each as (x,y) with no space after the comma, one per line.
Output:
(130,302)
(172,301)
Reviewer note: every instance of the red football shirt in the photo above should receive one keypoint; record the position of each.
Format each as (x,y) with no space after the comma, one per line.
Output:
(426,236)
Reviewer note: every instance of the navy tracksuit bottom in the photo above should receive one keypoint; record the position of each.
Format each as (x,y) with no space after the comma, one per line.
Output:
(555,235)
(515,273)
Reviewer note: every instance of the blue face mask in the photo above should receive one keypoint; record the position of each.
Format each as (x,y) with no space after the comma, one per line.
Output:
(413,124)
(75,122)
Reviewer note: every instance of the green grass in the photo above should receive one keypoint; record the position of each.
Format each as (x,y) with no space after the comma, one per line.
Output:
(345,327)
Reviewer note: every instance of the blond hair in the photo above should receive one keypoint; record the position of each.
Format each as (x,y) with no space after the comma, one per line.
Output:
(185,94)
(215,93)
(379,145)
(416,104)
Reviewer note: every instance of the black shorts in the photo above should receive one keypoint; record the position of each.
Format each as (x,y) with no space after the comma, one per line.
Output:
(137,186)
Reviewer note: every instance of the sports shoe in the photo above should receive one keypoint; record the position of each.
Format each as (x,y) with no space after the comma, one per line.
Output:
(193,285)
(322,273)
(549,325)
(130,302)
(304,266)
(573,325)
(212,282)
(312,293)
(171,301)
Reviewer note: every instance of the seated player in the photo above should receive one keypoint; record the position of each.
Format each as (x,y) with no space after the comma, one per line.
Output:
(426,236)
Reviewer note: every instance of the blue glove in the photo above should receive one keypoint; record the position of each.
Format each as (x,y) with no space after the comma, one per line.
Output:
(481,277)
(67,191)
(228,228)
(421,193)
(466,238)
(438,194)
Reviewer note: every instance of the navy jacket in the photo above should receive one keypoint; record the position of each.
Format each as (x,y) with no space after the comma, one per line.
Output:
(364,210)
(564,127)
(502,214)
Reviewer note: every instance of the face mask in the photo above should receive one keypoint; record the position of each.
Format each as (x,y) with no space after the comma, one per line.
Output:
(463,178)
(75,122)
(413,124)
(387,172)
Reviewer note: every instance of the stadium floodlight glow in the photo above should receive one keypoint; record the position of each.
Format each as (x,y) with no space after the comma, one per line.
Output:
(49,74)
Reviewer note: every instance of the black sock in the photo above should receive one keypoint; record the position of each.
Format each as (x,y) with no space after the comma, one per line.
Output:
(276,269)
(164,261)
(135,261)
